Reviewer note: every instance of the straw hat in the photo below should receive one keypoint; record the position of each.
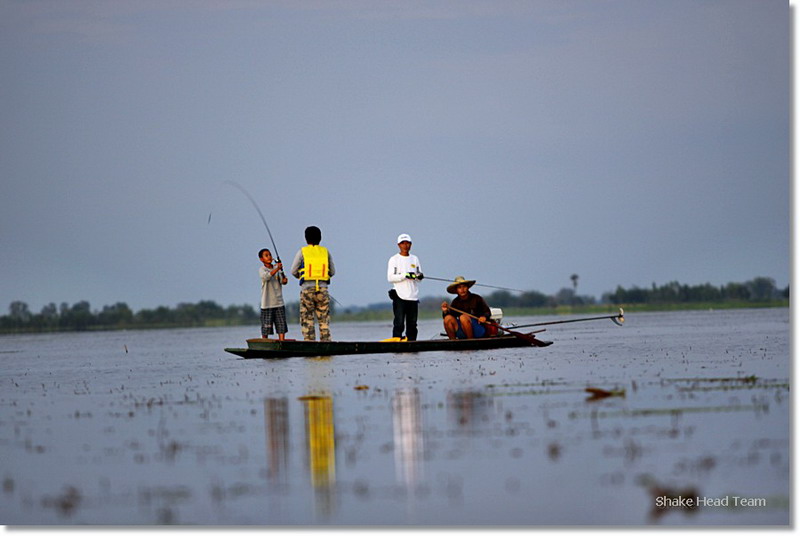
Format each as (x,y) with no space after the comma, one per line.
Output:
(451,288)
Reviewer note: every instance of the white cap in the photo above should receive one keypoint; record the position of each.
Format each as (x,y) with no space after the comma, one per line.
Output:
(403,238)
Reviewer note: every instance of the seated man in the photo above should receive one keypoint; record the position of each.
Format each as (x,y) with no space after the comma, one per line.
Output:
(463,326)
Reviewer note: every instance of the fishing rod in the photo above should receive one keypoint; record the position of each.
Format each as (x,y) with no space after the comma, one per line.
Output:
(476,284)
(263,220)
(617,319)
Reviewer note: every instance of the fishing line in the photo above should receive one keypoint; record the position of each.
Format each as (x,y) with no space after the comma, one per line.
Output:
(476,284)
(263,220)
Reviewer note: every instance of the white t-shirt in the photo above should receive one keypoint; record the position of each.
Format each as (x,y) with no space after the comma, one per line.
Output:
(399,266)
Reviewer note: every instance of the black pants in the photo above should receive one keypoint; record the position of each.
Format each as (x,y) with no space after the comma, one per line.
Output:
(405,315)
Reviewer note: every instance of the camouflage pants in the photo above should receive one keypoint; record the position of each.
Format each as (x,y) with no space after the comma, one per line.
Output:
(315,305)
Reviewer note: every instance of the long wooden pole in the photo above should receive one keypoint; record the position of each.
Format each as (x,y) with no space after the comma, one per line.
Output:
(617,319)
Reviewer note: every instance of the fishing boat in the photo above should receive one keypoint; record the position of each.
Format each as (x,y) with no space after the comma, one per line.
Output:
(271,348)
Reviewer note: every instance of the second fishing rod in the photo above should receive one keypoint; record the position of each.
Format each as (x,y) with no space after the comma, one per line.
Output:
(476,284)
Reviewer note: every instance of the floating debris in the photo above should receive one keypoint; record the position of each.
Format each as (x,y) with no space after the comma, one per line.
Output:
(65,503)
(669,498)
(599,394)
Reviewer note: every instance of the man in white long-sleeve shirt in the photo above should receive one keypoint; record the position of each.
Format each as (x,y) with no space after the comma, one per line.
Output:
(405,273)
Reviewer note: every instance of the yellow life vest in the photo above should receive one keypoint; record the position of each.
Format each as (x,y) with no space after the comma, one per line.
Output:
(315,264)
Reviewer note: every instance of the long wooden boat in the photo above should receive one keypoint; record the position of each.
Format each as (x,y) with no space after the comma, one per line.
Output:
(270,348)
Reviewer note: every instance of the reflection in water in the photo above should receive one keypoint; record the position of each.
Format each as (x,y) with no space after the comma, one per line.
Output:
(468,407)
(321,447)
(319,441)
(276,423)
(666,499)
(408,442)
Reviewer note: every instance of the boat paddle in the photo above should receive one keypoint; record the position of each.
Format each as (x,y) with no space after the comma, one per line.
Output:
(524,336)
(617,319)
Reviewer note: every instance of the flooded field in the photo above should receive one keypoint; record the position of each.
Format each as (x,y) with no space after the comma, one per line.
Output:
(674,419)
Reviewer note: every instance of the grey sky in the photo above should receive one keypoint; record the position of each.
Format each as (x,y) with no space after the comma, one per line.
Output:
(518,142)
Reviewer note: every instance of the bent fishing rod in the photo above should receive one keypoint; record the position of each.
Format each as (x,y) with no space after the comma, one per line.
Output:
(263,220)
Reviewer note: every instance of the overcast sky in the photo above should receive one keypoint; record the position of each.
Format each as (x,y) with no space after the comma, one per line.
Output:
(630,142)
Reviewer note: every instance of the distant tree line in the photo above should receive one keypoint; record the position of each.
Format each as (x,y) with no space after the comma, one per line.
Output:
(206,313)
(80,317)
(529,299)
(760,289)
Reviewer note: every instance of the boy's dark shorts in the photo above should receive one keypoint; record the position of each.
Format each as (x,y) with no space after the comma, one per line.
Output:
(275,316)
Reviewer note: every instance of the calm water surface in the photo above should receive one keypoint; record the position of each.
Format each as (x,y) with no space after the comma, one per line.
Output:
(164,427)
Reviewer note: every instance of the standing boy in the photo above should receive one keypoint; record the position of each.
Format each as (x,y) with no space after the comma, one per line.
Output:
(313,266)
(405,273)
(273,310)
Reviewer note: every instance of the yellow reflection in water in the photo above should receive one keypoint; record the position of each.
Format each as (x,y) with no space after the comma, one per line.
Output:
(321,446)
(321,443)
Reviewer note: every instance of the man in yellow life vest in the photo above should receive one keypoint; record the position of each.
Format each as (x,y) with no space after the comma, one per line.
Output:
(313,266)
